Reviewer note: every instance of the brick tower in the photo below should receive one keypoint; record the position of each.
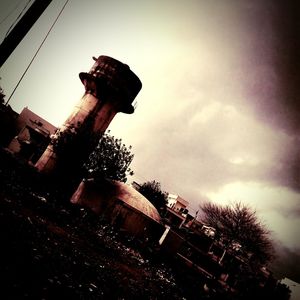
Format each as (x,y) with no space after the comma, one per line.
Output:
(110,87)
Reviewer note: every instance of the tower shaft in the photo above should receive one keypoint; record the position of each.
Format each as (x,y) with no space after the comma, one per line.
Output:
(110,87)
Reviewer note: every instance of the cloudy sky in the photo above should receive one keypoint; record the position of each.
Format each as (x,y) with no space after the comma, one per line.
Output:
(218,116)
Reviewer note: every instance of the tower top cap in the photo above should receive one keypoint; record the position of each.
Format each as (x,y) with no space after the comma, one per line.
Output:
(116,76)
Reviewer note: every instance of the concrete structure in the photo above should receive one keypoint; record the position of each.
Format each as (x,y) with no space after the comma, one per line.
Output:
(177,203)
(33,135)
(200,252)
(176,211)
(110,87)
(122,206)
(199,227)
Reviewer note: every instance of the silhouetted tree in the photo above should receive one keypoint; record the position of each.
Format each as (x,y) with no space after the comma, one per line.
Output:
(7,121)
(83,153)
(73,145)
(110,159)
(2,95)
(152,191)
(239,223)
(281,292)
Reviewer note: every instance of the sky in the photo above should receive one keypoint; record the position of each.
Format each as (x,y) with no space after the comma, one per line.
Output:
(218,116)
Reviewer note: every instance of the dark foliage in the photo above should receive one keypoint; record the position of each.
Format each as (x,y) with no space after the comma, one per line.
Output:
(281,292)
(83,153)
(73,146)
(110,159)
(2,95)
(152,191)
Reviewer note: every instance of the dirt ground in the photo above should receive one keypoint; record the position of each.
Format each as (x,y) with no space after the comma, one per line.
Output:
(53,250)
(49,254)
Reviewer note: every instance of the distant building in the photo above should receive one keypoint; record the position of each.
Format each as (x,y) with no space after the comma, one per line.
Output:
(33,135)
(177,203)
(177,211)
(199,227)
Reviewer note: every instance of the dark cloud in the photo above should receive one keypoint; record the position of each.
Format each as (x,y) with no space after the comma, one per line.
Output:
(224,117)
(272,83)
(287,263)
(292,212)
(287,171)
(272,44)
(194,151)
(286,20)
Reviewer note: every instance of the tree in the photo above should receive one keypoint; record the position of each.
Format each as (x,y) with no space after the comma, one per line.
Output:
(110,159)
(152,191)
(239,223)
(72,146)
(2,95)
(81,152)
(8,129)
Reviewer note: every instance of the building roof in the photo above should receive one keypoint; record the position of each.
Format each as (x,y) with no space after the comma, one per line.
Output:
(177,198)
(28,117)
(182,201)
(136,200)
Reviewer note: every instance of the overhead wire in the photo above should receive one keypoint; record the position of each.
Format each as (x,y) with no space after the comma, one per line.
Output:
(10,13)
(36,53)
(18,17)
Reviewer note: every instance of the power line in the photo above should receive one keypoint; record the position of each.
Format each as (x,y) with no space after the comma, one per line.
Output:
(42,43)
(16,20)
(9,14)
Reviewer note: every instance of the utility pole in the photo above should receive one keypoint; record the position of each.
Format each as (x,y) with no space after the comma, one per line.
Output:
(22,27)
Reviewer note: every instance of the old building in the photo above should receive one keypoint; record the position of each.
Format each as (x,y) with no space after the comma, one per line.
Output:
(122,206)
(33,135)
(176,212)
